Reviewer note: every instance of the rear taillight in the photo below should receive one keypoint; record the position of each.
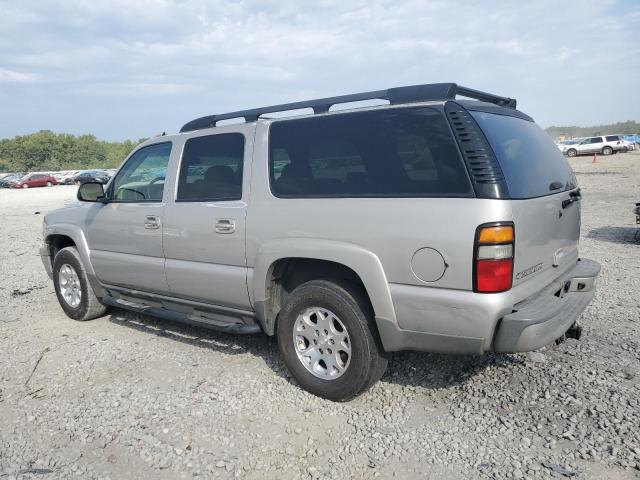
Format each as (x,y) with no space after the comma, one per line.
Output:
(493,258)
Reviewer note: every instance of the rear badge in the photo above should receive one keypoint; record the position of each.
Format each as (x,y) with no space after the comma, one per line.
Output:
(528,271)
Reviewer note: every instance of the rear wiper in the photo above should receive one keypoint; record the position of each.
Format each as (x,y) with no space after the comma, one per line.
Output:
(556,185)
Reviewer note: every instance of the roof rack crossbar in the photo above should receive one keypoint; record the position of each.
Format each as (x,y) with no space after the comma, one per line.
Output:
(413,93)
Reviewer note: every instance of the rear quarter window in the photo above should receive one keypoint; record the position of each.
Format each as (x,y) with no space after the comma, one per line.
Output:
(529,159)
(403,152)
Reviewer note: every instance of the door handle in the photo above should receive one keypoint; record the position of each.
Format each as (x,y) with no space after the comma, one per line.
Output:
(151,222)
(225,225)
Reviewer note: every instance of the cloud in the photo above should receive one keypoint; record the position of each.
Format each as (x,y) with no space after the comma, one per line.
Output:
(11,76)
(170,60)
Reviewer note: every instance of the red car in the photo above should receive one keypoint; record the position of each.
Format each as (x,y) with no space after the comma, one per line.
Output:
(35,180)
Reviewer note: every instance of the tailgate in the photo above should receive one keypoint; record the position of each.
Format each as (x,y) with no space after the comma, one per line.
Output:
(544,196)
(547,237)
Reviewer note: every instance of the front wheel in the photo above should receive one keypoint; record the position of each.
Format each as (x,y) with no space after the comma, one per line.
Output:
(24,185)
(572,152)
(72,286)
(607,151)
(328,340)
(49,184)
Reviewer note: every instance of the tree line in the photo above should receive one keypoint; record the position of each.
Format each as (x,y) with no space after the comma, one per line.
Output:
(629,127)
(48,151)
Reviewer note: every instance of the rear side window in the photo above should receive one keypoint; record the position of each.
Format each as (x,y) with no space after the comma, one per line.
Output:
(612,138)
(405,152)
(211,168)
(529,159)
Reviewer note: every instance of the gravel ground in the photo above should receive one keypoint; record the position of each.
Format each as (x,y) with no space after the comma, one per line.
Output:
(127,396)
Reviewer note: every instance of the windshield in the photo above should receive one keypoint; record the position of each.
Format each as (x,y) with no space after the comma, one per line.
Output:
(530,161)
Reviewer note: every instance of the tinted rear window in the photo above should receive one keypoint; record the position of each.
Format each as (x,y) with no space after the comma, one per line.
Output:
(529,159)
(393,152)
(612,138)
(211,168)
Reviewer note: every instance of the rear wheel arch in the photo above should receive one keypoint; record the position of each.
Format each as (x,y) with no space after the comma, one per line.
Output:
(281,266)
(285,274)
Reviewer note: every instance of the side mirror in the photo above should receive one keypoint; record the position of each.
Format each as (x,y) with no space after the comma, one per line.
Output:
(91,192)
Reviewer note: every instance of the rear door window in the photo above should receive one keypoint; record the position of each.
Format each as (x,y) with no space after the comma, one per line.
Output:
(211,168)
(529,159)
(403,152)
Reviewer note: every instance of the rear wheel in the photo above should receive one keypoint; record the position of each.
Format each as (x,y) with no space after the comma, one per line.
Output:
(72,286)
(328,340)
(607,151)
(572,152)
(49,184)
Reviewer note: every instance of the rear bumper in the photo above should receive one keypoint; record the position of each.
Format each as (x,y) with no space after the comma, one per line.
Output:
(540,320)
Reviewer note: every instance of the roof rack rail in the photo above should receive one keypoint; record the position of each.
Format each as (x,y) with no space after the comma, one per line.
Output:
(413,93)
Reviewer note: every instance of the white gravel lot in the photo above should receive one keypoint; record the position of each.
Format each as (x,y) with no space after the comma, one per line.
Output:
(128,396)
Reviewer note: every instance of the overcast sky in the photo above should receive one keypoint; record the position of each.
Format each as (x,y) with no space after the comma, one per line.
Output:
(133,68)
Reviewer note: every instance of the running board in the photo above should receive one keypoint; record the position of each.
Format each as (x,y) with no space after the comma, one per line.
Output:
(173,316)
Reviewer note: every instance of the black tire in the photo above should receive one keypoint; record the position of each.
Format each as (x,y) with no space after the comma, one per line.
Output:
(572,152)
(607,150)
(368,360)
(89,306)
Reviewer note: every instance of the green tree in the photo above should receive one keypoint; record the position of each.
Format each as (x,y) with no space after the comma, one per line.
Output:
(45,150)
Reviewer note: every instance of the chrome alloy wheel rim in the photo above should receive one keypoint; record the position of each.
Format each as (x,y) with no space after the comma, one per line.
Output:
(69,285)
(322,343)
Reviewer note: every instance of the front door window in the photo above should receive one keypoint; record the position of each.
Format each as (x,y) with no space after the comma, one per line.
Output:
(142,177)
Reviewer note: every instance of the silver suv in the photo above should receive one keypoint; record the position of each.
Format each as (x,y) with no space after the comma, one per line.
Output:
(605,145)
(427,223)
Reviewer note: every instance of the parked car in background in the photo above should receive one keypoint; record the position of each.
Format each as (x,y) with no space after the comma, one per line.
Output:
(632,138)
(68,178)
(35,180)
(565,144)
(60,175)
(8,180)
(605,145)
(628,145)
(97,176)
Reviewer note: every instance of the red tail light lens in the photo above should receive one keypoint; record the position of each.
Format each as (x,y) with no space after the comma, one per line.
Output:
(493,257)
(494,275)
